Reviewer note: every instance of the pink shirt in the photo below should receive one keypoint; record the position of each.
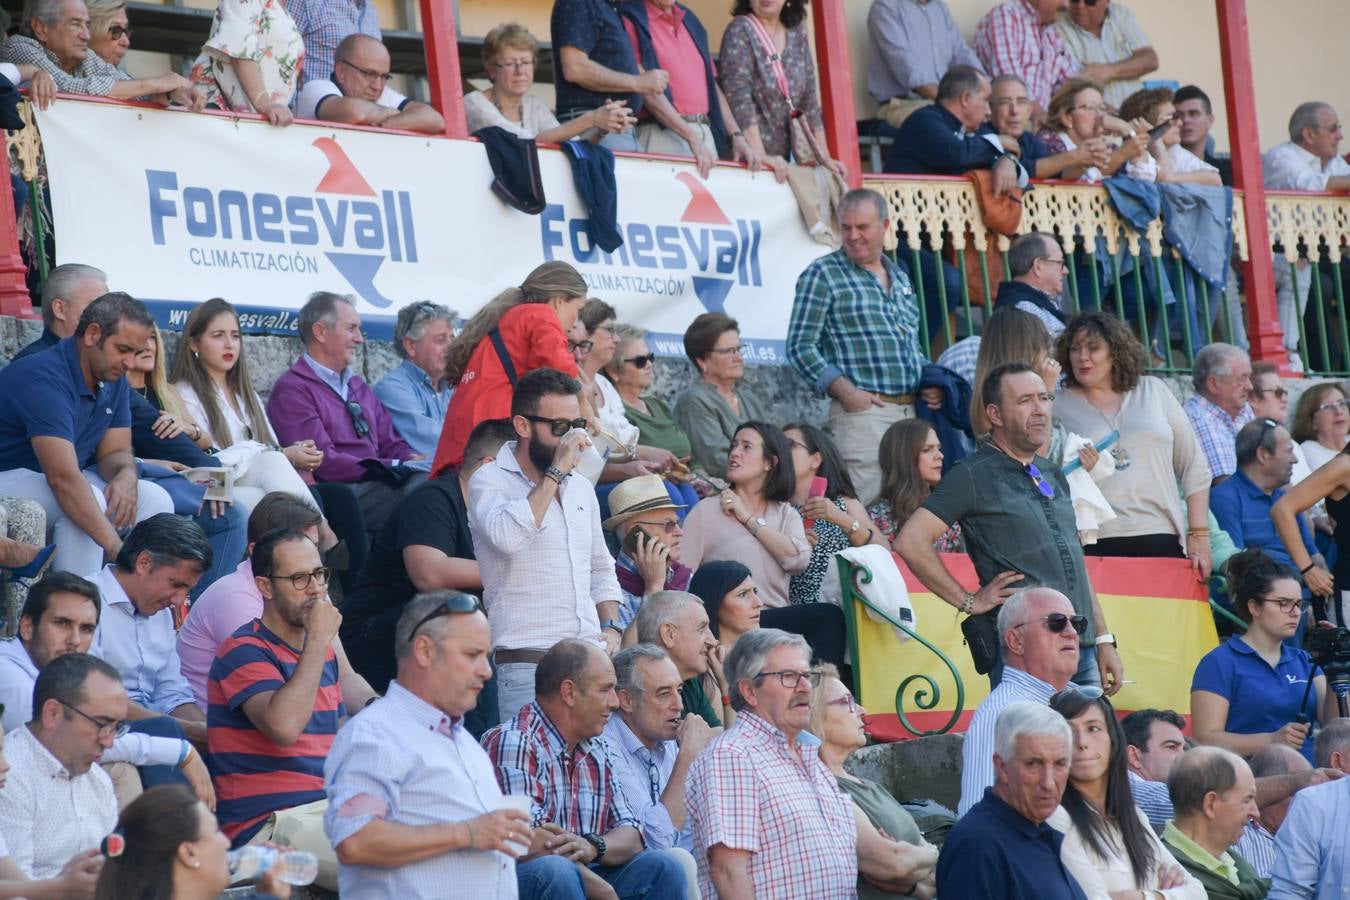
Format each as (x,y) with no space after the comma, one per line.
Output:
(678,55)
(231,602)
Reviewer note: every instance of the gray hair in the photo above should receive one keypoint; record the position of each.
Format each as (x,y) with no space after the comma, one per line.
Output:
(1304,117)
(1334,736)
(62,281)
(1007,77)
(624,334)
(1027,719)
(417,609)
(47,12)
(413,320)
(747,656)
(657,610)
(101,13)
(1198,772)
(861,196)
(626,665)
(1213,360)
(1014,610)
(1255,435)
(1026,249)
(109,311)
(959,80)
(169,539)
(321,307)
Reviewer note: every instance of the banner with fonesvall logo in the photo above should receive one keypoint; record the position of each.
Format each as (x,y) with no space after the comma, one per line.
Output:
(179,207)
(1157,610)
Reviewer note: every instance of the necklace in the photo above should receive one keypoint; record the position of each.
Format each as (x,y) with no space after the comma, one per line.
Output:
(520,110)
(1118,451)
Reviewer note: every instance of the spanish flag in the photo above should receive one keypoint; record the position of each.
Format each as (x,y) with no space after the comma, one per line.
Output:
(1158,612)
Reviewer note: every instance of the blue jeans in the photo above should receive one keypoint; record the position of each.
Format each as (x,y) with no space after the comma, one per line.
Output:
(622,141)
(228,534)
(549,878)
(651,875)
(159,726)
(515,688)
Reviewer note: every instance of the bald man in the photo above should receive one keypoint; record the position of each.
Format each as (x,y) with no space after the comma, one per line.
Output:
(1257,844)
(357,92)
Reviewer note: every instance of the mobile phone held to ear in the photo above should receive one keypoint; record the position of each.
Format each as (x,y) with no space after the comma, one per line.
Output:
(818,485)
(630,541)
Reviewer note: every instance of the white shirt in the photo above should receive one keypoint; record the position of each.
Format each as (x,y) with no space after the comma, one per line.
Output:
(17,677)
(567,554)
(1184,161)
(241,429)
(1315,455)
(1100,877)
(315,92)
(480,113)
(404,761)
(46,814)
(633,763)
(611,414)
(144,649)
(1289,167)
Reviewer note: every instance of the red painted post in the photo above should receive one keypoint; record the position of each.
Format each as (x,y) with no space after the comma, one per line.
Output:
(836,85)
(442,49)
(14,299)
(1263,319)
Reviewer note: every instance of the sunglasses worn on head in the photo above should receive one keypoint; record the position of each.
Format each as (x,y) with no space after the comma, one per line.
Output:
(454,603)
(1086,691)
(1055,622)
(558,427)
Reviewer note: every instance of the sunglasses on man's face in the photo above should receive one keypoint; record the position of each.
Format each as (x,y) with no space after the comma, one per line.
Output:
(1056,622)
(558,427)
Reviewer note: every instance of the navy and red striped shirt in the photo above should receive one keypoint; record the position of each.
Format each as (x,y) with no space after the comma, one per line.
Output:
(253,776)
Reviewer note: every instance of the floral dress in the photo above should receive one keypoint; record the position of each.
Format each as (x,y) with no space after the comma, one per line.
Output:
(804,587)
(746,74)
(883,517)
(260,30)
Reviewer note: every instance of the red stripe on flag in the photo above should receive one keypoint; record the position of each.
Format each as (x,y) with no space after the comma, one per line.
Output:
(1172,579)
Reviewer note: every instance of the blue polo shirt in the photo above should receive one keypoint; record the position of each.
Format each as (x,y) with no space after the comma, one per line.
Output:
(1243,510)
(45,395)
(594,27)
(1260,699)
(995,853)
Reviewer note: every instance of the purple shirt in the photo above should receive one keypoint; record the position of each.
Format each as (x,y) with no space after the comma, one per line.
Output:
(302,407)
(228,604)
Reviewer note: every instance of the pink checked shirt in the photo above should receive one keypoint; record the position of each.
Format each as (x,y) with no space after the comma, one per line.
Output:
(1011,41)
(749,791)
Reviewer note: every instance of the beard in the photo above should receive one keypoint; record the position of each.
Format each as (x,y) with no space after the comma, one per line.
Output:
(541,454)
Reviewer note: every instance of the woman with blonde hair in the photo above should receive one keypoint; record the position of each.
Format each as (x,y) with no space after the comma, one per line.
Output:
(109,30)
(1077,115)
(522,329)
(510,53)
(147,378)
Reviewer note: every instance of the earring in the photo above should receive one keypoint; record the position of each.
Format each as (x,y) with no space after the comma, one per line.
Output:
(196,864)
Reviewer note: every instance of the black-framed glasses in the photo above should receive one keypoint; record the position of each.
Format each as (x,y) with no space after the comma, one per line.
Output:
(1046,488)
(117,32)
(301,580)
(667,527)
(1055,261)
(1084,2)
(1286,604)
(369,74)
(583,346)
(454,602)
(790,678)
(558,427)
(1056,622)
(114,728)
(641,362)
(358,418)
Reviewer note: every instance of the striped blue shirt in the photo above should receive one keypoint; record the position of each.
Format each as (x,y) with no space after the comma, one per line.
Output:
(977,752)
(1153,800)
(1257,846)
(843,323)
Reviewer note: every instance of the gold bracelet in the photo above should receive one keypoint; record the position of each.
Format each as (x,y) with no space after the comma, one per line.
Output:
(263,93)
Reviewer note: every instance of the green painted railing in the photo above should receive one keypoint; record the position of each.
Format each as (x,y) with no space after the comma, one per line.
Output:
(929,695)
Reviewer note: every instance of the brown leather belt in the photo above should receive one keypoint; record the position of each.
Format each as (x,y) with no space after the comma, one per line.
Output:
(898,399)
(697,119)
(502,657)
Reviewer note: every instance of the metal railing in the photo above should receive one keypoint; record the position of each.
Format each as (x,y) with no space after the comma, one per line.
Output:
(1315,229)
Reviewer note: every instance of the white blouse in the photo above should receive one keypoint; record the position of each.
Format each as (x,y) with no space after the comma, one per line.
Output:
(240,428)
(1098,876)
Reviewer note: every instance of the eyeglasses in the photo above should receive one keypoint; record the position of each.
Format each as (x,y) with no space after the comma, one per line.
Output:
(1279,392)
(799,445)
(454,603)
(1286,604)
(1055,261)
(739,350)
(117,32)
(641,362)
(1090,107)
(846,700)
(358,418)
(1055,622)
(519,65)
(1084,2)
(558,427)
(106,727)
(301,580)
(1047,490)
(369,74)
(790,679)
(583,346)
(1334,405)
(668,527)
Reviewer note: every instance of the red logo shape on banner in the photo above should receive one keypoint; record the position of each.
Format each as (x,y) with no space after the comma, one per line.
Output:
(342,177)
(702,207)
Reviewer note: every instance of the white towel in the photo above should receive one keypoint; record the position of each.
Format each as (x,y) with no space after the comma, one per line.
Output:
(1090,508)
(886,591)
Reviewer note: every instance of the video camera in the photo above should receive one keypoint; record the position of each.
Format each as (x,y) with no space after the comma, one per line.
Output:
(1330,650)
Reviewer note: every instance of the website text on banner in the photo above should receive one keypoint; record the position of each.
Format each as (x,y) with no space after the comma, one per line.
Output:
(1157,610)
(209,206)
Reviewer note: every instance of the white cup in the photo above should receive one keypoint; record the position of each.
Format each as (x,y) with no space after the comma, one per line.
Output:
(520,803)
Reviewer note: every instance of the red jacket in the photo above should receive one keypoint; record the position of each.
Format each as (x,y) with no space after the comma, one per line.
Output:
(534,339)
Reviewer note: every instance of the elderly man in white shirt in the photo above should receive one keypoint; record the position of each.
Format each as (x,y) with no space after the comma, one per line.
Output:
(56,802)
(547,574)
(160,562)
(413,802)
(1309,161)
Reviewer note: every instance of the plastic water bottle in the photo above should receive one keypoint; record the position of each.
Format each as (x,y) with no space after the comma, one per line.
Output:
(294,867)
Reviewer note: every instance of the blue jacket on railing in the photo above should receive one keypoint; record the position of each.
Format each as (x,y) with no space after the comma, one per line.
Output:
(635,11)
(951,420)
(1198,222)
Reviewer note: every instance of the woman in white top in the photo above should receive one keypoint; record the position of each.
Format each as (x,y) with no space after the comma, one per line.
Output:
(211,374)
(1174,163)
(1321,423)
(1108,846)
(509,55)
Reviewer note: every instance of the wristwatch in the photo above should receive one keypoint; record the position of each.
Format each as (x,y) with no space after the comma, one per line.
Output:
(555,473)
(758,522)
(598,842)
(611,623)
(1105,638)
